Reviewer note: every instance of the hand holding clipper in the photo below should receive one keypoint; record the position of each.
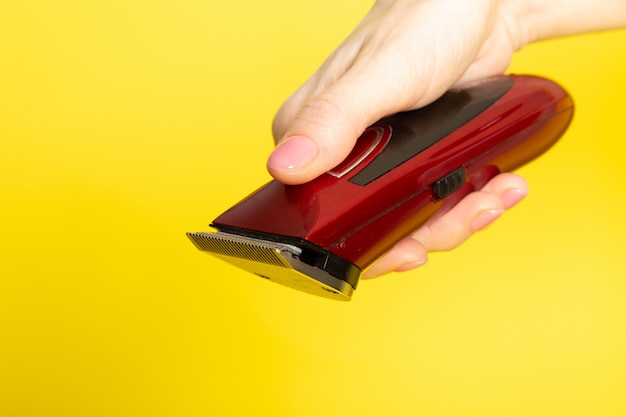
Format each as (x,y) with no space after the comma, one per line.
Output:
(318,237)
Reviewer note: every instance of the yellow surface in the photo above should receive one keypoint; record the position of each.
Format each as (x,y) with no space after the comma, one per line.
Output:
(124,124)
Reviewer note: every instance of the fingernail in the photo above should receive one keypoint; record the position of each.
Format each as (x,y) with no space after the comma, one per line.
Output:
(411,265)
(512,197)
(293,154)
(484,219)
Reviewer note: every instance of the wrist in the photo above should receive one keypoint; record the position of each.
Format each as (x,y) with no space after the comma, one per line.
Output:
(538,20)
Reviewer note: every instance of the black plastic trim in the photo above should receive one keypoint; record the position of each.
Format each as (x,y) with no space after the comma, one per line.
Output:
(417,130)
(312,254)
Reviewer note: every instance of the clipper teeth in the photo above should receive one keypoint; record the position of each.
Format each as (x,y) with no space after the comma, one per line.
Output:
(278,262)
(266,252)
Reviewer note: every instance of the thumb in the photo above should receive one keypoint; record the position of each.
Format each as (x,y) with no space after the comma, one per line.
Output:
(322,133)
(324,130)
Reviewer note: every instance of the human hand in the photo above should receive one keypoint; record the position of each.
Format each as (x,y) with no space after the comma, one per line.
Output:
(402,56)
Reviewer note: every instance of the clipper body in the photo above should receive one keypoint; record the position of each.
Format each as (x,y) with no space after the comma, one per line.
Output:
(319,236)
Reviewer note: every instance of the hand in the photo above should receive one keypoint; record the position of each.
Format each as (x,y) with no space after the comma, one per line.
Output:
(447,231)
(403,55)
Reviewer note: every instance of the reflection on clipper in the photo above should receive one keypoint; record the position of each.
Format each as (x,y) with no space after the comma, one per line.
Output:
(370,144)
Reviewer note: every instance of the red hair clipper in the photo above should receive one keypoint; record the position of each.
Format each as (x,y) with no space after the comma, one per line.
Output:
(318,237)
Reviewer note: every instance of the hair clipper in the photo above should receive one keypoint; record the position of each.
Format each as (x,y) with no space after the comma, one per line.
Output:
(318,237)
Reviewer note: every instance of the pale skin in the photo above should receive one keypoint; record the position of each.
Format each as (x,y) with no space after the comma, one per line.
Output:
(403,55)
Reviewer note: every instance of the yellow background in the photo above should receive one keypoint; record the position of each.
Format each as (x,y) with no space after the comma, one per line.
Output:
(124,124)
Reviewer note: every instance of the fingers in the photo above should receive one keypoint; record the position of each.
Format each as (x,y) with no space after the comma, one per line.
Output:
(473,213)
(511,188)
(323,130)
(388,64)
(405,255)
(391,62)
(319,137)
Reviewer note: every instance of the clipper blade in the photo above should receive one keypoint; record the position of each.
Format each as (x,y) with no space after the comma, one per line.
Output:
(284,263)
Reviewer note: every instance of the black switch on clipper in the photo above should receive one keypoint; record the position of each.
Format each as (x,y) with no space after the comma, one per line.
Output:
(449,184)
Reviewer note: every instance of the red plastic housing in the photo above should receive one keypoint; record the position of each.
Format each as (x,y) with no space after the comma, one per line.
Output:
(359,223)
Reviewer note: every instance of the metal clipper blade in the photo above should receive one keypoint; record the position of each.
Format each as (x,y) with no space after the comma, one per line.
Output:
(287,264)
